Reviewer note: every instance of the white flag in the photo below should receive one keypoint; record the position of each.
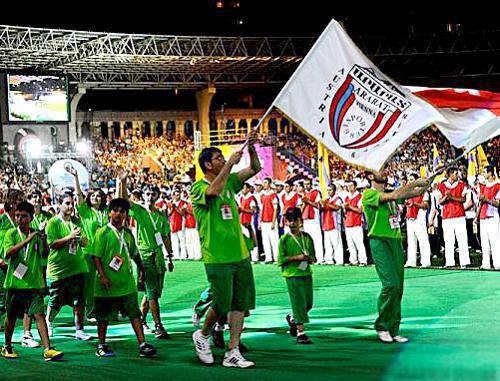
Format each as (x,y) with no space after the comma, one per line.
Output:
(340,98)
(473,115)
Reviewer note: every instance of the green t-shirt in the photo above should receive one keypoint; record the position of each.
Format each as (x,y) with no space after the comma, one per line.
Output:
(221,238)
(290,246)
(39,218)
(91,220)
(5,224)
(107,246)
(31,256)
(62,264)
(43,216)
(147,226)
(377,215)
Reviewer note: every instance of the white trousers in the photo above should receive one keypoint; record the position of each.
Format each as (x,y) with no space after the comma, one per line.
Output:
(356,245)
(334,249)
(314,230)
(455,227)
(417,233)
(270,241)
(178,244)
(490,242)
(193,249)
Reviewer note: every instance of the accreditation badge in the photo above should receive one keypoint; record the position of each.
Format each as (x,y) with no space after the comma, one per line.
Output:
(116,263)
(394,221)
(72,247)
(226,212)
(303,265)
(159,239)
(21,270)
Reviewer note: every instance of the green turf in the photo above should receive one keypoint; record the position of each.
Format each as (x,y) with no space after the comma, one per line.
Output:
(451,316)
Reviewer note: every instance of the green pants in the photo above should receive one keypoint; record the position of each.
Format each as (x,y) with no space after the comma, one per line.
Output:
(204,303)
(300,290)
(388,256)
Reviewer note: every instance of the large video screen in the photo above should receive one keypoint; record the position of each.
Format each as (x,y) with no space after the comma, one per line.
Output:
(36,98)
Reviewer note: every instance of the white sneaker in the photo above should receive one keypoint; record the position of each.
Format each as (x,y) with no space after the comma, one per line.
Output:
(196,319)
(81,335)
(400,339)
(27,341)
(202,347)
(50,328)
(236,360)
(385,336)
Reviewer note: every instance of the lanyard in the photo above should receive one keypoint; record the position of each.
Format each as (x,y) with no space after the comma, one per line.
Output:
(303,246)
(27,247)
(68,224)
(10,220)
(120,238)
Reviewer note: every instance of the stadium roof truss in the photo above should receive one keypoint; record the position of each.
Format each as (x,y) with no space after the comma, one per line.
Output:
(139,61)
(112,60)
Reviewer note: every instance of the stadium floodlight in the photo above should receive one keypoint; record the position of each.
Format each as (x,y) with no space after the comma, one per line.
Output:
(33,147)
(82,147)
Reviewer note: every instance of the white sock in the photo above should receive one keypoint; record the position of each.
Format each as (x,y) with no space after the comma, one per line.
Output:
(301,333)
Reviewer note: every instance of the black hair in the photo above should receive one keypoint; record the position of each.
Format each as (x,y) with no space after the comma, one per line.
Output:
(490,169)
(152,188)
(206,155)
(27,207)
(268,179)
(102,205)
(293,214)
(64,196)
(333,186)
(119,203)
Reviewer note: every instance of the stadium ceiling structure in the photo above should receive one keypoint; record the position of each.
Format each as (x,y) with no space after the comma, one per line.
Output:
(100,60)
(113,60)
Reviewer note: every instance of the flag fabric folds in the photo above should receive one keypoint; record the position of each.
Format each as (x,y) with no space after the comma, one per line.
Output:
(340,98)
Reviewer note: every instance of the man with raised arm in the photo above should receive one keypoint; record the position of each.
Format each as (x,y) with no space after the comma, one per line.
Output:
(224,252)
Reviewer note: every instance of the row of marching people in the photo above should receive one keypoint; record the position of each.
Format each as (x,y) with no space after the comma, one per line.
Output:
(451,211)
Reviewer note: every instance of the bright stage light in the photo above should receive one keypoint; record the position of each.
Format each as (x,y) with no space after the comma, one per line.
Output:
(33,147)
(82,147)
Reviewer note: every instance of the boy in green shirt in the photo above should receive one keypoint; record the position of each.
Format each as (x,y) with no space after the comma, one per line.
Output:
(24,249)
(151,234)
(387,250)
(295,255)
(66,266)
(115,289)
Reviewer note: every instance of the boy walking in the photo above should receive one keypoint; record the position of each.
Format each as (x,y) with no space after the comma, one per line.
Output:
(296,253)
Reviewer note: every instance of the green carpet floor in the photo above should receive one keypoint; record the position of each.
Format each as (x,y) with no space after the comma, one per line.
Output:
(451,316)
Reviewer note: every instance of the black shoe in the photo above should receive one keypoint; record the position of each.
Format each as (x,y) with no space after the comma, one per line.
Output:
(218,337)
(243,348)
(146,350)
(291,325)
(161,333)
(303,339)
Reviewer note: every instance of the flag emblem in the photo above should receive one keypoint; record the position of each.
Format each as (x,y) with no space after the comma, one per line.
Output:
(364,109)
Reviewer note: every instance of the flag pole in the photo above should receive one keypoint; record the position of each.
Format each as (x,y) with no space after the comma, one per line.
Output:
(261,120)
(448,165)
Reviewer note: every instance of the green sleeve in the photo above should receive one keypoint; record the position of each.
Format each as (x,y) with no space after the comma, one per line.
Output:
(138,212)
(310,247)
(371,197)
(165,229)
(198,193)
(281,251)
(83,210)
(53,230)
(11,239)
(99,243)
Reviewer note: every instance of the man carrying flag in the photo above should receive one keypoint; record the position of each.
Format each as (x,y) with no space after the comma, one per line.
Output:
(488,218)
